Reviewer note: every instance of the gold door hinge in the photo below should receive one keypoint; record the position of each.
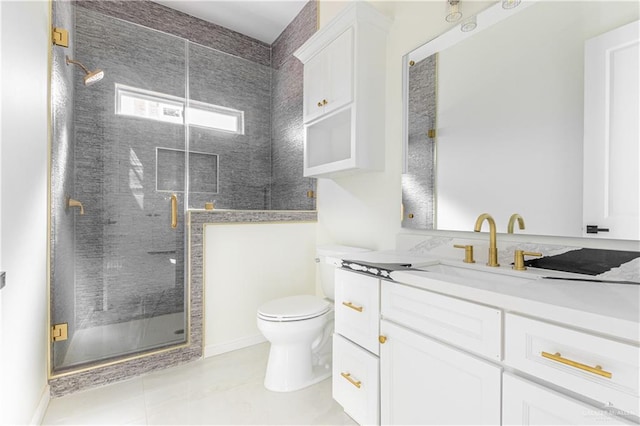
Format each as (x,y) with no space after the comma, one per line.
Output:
(60,37)
(59,332)
(431,133)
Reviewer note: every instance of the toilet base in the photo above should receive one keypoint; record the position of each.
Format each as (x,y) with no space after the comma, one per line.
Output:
(295,366)
(279,383)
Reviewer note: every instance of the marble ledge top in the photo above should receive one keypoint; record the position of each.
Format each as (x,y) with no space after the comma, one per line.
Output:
(222,215)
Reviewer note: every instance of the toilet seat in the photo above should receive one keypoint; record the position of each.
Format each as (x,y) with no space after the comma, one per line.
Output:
(294,308)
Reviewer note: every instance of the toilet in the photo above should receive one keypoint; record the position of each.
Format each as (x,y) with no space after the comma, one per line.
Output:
(299,329)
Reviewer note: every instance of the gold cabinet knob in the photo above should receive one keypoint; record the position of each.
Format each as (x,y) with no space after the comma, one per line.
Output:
(320,104)
(382,339)
(324,102)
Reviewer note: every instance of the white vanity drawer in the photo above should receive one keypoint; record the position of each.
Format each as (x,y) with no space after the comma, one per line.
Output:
(355,381)
(601,369)
(475,328)
(357,308)
(527,403)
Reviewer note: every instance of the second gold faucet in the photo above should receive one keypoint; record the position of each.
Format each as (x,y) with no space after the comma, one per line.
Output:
(493,247)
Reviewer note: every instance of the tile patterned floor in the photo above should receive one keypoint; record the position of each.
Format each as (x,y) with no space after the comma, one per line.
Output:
(225,389)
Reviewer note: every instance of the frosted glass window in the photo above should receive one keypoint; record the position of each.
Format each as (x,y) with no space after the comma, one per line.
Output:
(134,102)
(215,117)
(150,105)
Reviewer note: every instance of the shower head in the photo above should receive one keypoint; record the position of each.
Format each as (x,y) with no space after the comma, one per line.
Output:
(91,76)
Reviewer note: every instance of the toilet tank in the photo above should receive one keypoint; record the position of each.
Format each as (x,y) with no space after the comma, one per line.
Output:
(328,258)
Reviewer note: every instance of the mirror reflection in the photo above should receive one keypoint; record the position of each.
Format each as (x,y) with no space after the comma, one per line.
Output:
(502,120)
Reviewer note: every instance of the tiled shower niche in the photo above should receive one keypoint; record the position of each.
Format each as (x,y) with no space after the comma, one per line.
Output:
(203,171)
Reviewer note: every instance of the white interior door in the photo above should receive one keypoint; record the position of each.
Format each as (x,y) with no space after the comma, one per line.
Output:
(611,136)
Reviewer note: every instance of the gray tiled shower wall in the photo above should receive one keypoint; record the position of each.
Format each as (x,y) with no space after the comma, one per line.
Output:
(288,187)
(127,255)
(248,186)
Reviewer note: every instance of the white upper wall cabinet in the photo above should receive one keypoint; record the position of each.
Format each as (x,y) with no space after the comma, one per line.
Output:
(344,93)
(328,78)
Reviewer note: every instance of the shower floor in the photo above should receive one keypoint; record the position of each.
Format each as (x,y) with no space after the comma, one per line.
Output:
(106,341)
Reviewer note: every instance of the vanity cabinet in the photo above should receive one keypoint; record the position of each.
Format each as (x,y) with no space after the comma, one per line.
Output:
(473,352)
(344,93)
(355,345)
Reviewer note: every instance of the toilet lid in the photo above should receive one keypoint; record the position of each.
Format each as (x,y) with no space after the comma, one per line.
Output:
(294,308)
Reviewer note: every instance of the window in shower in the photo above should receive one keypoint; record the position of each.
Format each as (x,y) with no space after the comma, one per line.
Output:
(135,102)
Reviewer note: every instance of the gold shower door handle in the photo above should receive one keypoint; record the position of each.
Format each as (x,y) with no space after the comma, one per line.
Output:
(559,358)
(174,211)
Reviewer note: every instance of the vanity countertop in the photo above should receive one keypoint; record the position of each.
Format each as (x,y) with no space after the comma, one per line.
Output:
(611,309)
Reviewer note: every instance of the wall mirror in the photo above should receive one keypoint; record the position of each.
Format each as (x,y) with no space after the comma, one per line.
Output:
(504,119)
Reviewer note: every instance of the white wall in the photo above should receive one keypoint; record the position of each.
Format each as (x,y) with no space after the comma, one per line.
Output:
(247,265)
(23,208)
(365,210)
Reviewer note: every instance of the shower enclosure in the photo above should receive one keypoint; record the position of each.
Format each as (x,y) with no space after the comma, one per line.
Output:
(172,125)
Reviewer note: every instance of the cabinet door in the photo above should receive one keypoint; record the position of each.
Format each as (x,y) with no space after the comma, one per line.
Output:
(315,76)
(328,78)
(339,90)
(357,308)
(527,403)
(425,382)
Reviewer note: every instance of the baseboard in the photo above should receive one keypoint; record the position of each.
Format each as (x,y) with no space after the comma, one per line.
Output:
(220,348)
(41,409)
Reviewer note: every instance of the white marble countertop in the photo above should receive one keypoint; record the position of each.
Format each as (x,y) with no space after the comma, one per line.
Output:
(602,308)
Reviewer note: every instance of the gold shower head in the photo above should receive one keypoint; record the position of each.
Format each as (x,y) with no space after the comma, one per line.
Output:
(91,76)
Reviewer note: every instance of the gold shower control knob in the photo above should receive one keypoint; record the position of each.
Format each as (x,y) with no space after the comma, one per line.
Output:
(382,339)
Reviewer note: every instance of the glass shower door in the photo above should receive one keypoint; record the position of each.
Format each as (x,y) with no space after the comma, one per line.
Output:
(117,192)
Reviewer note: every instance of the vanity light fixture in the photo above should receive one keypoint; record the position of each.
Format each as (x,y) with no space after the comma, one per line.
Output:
(469,24)
(453,11)
(510,4)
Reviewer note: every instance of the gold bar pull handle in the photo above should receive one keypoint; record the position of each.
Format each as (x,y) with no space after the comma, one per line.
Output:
(174,210)
(352,306)
(355,383)
(595,370)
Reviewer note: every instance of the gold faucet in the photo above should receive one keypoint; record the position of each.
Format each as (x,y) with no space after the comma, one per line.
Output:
(75,203)
(493,247)
(512,221)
